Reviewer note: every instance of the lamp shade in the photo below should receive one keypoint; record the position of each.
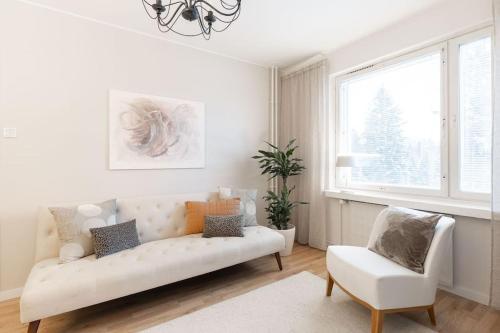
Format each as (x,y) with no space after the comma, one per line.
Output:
(355,160)
(346,161)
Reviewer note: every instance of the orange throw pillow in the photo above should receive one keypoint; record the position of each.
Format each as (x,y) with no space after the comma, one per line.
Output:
(197,210)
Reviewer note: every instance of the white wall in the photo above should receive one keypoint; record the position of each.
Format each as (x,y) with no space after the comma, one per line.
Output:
(472,237)
(55,72)
(433,24)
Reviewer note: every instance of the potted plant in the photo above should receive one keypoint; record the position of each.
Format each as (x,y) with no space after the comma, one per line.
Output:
(281,164)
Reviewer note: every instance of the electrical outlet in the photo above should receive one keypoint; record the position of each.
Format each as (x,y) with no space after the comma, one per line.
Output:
(9,132)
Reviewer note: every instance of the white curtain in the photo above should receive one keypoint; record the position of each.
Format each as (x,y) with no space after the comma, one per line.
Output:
(303,116)
(495,253)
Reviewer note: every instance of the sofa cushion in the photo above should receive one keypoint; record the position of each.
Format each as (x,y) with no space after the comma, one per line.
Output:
(406,238)
(114,238)
(158,217)
(74,224)
(197,210)
(90,281)
(248,205)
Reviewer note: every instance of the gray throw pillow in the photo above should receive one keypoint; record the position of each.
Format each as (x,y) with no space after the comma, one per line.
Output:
(406,238)
(114,238)
(73,227)
(223,226)
(248,205)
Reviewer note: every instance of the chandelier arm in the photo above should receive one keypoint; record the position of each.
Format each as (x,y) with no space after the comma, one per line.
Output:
(223,29)
(206,34)
(167,11)
(216,9)
(174,3)
(160,21)
(228,6)
(160,26)
(202,25)
(200,6)
(144,2)
(229,21)
(171,28)
(185,35)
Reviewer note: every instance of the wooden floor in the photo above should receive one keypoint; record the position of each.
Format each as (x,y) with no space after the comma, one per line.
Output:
(146,309)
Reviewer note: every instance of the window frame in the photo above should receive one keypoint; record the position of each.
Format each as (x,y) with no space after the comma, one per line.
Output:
(454,104)
(450,127)
(342,177)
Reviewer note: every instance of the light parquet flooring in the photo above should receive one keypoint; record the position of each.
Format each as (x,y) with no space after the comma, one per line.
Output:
(149,308)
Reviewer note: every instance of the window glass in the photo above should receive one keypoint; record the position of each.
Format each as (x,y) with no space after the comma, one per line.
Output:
(391,120)
(475,116)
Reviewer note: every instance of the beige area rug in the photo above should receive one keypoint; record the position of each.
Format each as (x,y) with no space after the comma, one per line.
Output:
(295,304)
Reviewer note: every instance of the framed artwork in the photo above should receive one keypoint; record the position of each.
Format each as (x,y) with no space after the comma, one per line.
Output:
(151,132)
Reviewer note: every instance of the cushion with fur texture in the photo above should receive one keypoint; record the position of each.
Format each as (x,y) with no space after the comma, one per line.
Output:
(406,238)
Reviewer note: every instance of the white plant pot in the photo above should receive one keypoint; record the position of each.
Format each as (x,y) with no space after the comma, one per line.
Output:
(289,235)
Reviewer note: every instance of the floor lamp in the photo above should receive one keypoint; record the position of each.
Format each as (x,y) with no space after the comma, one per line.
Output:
(344,161)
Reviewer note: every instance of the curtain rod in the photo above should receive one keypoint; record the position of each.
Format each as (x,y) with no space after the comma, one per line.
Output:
(297,67)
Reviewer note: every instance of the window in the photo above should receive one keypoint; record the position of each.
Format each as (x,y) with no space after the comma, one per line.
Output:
(471,95)
(393,119)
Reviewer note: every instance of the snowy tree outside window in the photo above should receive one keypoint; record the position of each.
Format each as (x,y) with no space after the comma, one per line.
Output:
(394,115)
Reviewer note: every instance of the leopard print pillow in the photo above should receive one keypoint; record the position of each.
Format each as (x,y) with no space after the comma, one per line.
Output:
(223,226)
(114,238)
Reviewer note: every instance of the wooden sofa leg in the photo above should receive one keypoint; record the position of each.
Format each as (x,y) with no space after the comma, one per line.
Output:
(278,259)
(377,321)
(329,285)
(432,315)
(33,326)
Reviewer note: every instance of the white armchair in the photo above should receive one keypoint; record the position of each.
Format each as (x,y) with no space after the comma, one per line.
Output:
(382,285)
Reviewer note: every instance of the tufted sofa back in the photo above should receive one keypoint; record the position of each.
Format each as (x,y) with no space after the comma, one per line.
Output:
(157,217)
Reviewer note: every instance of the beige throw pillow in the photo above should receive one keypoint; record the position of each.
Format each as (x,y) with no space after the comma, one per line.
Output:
(406,238)
(74,224)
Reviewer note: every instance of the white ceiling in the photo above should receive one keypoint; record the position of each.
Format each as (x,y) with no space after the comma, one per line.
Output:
(268,32)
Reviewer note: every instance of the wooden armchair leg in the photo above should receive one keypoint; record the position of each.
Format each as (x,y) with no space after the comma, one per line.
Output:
(377,321)
(432,315)
(329,285)
(278,259)
(33,326)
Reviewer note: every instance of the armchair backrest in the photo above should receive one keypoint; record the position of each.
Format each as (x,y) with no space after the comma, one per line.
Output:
(439,245)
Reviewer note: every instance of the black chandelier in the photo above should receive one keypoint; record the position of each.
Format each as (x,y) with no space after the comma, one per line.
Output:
(209,17)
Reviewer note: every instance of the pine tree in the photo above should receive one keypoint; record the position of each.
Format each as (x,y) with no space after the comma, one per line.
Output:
(383,136)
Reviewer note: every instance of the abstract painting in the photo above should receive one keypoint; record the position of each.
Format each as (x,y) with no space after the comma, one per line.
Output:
(150,132)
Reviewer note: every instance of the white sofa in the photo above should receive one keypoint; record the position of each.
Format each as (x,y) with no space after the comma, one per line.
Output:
(166,255)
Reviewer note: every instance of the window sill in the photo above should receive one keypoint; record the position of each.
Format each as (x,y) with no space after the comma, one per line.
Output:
(480,210)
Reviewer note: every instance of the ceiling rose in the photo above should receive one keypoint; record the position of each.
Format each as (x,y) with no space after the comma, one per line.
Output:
(208,17)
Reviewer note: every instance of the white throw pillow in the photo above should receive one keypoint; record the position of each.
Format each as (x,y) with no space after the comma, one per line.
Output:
(73,227)
(248,206)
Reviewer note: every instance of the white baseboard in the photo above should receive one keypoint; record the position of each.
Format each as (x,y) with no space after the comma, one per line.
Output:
(469,294)
(10,294)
